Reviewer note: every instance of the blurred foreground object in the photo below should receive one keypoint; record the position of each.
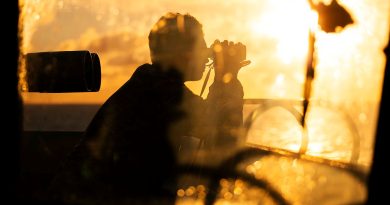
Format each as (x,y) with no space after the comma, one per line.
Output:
(63,71)
(331,17)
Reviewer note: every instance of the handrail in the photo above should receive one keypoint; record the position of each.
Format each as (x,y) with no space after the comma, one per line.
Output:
(266,104)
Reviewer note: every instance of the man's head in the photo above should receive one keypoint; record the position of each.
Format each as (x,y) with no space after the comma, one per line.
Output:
(176,40)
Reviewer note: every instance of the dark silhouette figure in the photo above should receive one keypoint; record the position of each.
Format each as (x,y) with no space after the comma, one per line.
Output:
(132,147)
(332,16)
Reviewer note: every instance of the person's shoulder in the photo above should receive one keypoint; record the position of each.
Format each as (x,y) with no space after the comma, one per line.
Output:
(145,70)
(144,74)
(144,77)
(140,78)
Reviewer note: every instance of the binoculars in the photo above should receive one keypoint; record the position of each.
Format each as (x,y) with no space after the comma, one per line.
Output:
(231,50)
(63,71)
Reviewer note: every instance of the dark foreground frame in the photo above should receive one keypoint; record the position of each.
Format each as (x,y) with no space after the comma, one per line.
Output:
(12,118)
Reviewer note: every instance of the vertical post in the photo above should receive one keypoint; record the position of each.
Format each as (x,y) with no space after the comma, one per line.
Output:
(307,90)
(309,77)
(379,175)
(11,101)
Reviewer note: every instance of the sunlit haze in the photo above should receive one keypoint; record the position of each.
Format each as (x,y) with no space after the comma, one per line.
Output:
(349,67)
(275,33)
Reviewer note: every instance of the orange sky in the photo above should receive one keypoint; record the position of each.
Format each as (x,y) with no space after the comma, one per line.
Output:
(275,32)
(349,69)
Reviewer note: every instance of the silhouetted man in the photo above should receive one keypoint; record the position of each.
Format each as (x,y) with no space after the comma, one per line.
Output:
(133,145)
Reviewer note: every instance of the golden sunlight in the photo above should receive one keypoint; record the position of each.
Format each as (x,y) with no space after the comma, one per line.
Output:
(349,69)
(345,93)
(290,25)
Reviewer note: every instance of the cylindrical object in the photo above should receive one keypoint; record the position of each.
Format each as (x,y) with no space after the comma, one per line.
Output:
(63,71)
(96,72)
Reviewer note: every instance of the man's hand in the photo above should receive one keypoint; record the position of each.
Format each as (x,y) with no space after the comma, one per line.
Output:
(229,58)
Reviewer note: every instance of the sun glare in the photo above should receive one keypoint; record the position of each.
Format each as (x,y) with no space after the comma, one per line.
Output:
(289,25)
(345,93)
